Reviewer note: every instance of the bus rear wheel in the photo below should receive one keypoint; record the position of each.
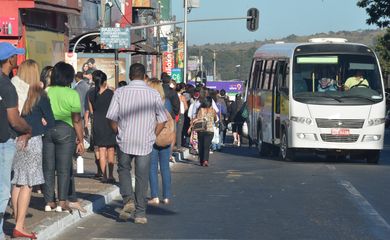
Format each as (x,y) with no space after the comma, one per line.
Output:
(372,156)
(285,153)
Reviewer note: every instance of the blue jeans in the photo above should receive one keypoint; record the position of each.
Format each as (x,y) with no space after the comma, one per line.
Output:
(58,148)
(215,146)
(7,152)
(142,166)
(160,155)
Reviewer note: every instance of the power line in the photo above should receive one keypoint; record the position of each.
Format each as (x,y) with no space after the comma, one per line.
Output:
(120,11)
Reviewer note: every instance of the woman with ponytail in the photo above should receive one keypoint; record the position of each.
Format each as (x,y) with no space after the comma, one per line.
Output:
(104,136)
(27,164)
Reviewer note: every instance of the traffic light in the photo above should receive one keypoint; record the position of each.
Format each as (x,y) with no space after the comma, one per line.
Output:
(252,22)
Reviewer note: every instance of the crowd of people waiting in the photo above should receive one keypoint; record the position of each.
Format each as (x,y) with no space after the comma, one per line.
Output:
(45,118)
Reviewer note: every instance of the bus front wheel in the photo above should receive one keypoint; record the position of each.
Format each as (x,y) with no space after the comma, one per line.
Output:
(373,156)
(285,153)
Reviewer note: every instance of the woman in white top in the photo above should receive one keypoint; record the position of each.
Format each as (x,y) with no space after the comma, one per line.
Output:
(180,88)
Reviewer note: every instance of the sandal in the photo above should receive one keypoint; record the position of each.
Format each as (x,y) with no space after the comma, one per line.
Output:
(64,208)
(77,206)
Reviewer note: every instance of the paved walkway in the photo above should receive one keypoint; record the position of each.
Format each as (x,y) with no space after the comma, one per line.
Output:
(93,196)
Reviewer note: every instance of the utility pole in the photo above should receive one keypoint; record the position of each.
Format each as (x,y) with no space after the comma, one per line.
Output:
(201,63)
(158,64)
(103,13)
(200,60)
(185,40)
(116,62)
(215,65)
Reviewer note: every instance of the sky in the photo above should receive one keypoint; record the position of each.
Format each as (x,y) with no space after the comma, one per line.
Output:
(278,19)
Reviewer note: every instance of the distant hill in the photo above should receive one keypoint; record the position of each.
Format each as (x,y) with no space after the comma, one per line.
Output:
(229,55)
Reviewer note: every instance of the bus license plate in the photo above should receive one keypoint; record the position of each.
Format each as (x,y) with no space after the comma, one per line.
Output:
(340,131)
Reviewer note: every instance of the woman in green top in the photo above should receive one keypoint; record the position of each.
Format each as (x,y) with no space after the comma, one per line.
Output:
(60,141)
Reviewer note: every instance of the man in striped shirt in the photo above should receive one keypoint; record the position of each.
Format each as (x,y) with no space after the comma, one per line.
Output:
(137,116)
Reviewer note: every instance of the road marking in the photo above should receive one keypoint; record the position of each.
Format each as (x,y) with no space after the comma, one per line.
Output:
(378,225)
(219,195)
(331,167)
(380,228)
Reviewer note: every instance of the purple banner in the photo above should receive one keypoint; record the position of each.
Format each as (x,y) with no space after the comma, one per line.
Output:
(229,86)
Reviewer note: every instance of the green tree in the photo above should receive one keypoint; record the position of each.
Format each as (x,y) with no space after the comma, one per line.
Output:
(379,14)
(383,49)
(378,10)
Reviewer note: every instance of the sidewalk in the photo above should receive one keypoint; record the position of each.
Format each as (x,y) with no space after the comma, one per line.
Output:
(93,196)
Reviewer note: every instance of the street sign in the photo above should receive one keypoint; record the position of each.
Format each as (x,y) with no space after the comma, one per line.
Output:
(177,75)
(114,38)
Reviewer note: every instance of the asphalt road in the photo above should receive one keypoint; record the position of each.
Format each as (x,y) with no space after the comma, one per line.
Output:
(241,196)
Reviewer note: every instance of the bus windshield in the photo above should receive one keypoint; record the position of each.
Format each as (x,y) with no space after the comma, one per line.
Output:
(351,79)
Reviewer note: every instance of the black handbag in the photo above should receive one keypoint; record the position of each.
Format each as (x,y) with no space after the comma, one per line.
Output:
(200,125)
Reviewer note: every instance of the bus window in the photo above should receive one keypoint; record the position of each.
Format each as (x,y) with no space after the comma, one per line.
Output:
(262,75)
(282,76)
(267,75)
(286,78)
(259,65)
(273,74)
(254,76)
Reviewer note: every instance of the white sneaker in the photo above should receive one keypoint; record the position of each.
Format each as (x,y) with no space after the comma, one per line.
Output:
(49,209)
(154,201)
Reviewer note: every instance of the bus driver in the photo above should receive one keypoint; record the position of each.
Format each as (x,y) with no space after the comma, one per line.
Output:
(356,81)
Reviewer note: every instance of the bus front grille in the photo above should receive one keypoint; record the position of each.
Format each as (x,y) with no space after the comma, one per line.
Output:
(339,123)
(343,139)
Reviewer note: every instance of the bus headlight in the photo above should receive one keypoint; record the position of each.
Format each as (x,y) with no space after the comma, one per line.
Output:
(375,121)
(371,138)
(302,120)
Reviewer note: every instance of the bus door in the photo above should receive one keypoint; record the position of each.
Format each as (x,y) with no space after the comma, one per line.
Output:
(253,99)
(279,78)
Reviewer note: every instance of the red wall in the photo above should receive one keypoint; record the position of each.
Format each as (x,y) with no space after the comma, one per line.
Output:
(9,20)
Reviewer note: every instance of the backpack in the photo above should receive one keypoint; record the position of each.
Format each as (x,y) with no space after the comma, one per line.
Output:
(167,135)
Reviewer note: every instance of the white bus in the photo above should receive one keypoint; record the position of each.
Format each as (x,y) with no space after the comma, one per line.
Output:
(299,99)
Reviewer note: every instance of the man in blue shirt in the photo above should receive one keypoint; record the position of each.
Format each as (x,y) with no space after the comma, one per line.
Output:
(11,123)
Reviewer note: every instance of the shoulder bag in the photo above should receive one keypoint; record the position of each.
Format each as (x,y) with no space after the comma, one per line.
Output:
(167,135)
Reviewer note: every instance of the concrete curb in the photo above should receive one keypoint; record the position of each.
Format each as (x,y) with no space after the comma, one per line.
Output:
(53,226)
